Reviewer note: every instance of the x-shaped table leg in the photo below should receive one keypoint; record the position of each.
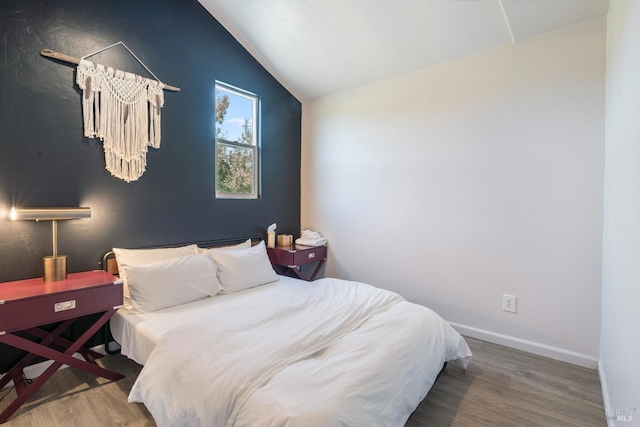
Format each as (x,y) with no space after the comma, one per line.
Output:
(42,349)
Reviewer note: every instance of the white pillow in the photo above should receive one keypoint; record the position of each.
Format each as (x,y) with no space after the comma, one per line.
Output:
(135,257)
(243,268)
(244,245)
(172,282)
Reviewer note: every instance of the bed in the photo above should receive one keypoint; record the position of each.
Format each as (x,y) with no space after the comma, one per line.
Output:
(272,350)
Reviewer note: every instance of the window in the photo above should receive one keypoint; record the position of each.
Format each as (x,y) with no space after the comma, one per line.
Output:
(236,143)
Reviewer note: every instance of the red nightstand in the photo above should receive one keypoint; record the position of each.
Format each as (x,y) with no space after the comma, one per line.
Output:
(26,305)
(290,258)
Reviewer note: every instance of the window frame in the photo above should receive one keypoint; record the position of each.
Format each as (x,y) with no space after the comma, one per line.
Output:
(255,146)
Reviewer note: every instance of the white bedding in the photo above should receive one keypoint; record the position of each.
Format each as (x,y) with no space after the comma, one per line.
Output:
(291,353)
(138,333)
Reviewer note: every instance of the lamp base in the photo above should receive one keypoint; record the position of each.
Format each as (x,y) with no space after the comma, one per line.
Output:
(55,268)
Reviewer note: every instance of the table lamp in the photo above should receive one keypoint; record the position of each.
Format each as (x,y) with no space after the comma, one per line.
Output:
(55,266)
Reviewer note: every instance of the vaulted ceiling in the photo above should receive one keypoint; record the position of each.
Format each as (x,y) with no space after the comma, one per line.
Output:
(319,47)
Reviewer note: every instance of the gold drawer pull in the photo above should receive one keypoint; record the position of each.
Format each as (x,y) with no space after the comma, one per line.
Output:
(66,305)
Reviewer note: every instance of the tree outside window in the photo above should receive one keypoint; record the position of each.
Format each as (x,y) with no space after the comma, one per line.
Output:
(236,143)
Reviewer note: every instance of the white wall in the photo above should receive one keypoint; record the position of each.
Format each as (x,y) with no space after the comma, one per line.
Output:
(477,177)
(620,345)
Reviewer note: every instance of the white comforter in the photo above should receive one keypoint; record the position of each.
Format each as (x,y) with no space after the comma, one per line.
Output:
(329,353)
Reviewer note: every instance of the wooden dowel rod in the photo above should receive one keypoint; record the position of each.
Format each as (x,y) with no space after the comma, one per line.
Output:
(73,60)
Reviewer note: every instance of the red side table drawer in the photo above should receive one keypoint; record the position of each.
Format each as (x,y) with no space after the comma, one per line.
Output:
(296,254)
(306,255)
(29,303)
(286,259)
(27,313)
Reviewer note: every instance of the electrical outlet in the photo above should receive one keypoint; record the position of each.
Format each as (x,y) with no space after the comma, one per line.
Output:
(509,303)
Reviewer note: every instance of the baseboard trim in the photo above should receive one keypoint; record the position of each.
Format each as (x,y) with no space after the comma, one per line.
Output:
(545,350)
(605,391)
(37,369)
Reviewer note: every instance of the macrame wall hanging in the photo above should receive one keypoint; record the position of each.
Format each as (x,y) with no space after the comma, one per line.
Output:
(121,109)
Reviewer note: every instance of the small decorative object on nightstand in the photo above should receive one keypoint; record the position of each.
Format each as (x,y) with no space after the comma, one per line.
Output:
(27,305)
(292,257)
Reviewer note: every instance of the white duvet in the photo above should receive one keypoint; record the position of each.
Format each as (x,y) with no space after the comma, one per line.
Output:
(326,353)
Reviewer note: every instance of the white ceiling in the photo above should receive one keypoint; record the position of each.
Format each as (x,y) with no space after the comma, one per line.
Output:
(319,47)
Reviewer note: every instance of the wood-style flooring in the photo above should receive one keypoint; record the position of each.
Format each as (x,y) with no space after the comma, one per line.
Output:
(501,387)
(506,387)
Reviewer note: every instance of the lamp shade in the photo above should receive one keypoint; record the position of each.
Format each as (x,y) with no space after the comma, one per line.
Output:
(49,214)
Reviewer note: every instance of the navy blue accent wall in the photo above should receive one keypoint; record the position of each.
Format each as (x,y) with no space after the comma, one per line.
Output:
(46,161)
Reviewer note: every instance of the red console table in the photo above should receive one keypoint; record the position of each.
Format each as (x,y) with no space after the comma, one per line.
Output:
(26,305)
(292,257)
